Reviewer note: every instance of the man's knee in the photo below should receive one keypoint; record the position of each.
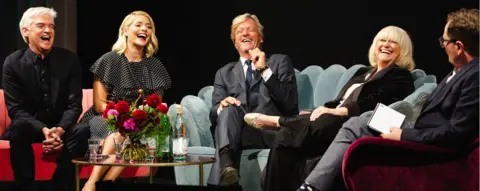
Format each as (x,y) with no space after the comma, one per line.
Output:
(77,138)
(81,130)
(20,129)
(356,122)
(231,109)
(79,133)
(20,126)
(230,113)
(353,129)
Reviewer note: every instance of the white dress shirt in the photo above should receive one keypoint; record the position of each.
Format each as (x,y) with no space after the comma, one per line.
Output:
(351,89)
(348,92)
(451,76)
(266,74)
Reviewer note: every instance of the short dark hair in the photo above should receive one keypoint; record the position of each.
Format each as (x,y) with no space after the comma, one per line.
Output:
(464,26)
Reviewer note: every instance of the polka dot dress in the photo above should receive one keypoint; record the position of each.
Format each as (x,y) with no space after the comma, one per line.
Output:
(122,79)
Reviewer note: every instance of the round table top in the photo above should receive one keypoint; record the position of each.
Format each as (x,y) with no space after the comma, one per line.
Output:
(110,160)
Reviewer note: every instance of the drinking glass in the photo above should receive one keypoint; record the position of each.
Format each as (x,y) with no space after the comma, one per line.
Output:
(95,149)
(118,149)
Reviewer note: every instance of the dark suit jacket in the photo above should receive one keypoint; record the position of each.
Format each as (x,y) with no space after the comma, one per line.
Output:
(450,115)
(387,86)
(276,96)
(22,94)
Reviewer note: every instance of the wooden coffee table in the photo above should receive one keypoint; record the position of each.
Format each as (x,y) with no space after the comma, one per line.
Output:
(110,161)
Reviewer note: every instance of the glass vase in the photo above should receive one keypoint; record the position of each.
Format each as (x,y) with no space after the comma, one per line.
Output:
(134,152)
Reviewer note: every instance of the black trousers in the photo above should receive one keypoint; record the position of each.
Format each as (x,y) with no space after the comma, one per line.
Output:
(23,134)
(232,135)
(240,136)
(297,147)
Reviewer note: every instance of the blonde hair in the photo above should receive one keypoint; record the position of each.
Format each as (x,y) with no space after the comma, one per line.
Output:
(393,33)
(31,14)
(242,18)
(121,45)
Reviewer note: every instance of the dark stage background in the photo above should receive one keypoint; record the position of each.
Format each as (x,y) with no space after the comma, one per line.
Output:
(194,35)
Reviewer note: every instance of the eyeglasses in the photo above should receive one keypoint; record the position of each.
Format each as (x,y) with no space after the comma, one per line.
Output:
(442,41)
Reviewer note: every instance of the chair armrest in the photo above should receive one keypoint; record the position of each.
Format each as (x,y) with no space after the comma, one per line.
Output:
(374,163)
(380,151)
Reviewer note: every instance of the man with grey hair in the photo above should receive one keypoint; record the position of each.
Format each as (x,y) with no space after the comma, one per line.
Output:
(254,83)
(43,93)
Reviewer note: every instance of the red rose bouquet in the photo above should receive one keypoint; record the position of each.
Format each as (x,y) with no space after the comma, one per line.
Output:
(136,121)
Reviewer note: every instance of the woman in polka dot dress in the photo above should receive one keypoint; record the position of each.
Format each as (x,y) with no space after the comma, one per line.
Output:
(118,75)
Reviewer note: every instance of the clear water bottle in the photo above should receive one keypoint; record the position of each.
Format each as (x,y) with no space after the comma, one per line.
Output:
(180,139)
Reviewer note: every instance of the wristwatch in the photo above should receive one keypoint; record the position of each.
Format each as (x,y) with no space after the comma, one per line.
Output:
(261,70)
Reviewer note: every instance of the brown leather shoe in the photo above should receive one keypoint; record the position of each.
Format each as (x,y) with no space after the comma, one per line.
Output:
(229,176)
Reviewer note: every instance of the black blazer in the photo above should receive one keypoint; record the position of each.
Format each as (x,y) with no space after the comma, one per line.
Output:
(276,96)
(22,94)
(450,115)
(387,86)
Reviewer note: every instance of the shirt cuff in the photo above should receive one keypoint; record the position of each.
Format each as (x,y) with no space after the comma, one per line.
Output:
(267,74)
(219,110)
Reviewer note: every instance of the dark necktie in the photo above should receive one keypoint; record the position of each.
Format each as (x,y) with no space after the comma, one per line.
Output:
(248,77)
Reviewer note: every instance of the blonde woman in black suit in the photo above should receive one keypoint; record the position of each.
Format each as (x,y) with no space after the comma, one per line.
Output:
(307,136)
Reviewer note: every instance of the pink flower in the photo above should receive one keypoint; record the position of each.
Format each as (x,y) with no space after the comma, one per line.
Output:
(112,113)
(129,124)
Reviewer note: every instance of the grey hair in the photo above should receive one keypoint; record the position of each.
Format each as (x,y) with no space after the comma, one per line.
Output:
(33,12)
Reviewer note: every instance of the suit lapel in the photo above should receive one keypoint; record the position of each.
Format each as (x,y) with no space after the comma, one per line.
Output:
(256,75)
(347,85)
(438,96)
(239,75)
(356,79)
(379,75)
(376,76)
(439,88)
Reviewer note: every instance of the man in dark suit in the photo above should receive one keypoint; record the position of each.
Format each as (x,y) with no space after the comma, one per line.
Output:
(43,95)
(255,83)
(448,118)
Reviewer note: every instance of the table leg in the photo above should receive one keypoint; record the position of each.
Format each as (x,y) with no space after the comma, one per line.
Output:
(200,169)
(151,175)
(77,176)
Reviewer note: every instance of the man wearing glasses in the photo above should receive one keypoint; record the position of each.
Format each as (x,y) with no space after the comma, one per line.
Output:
(449,117)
